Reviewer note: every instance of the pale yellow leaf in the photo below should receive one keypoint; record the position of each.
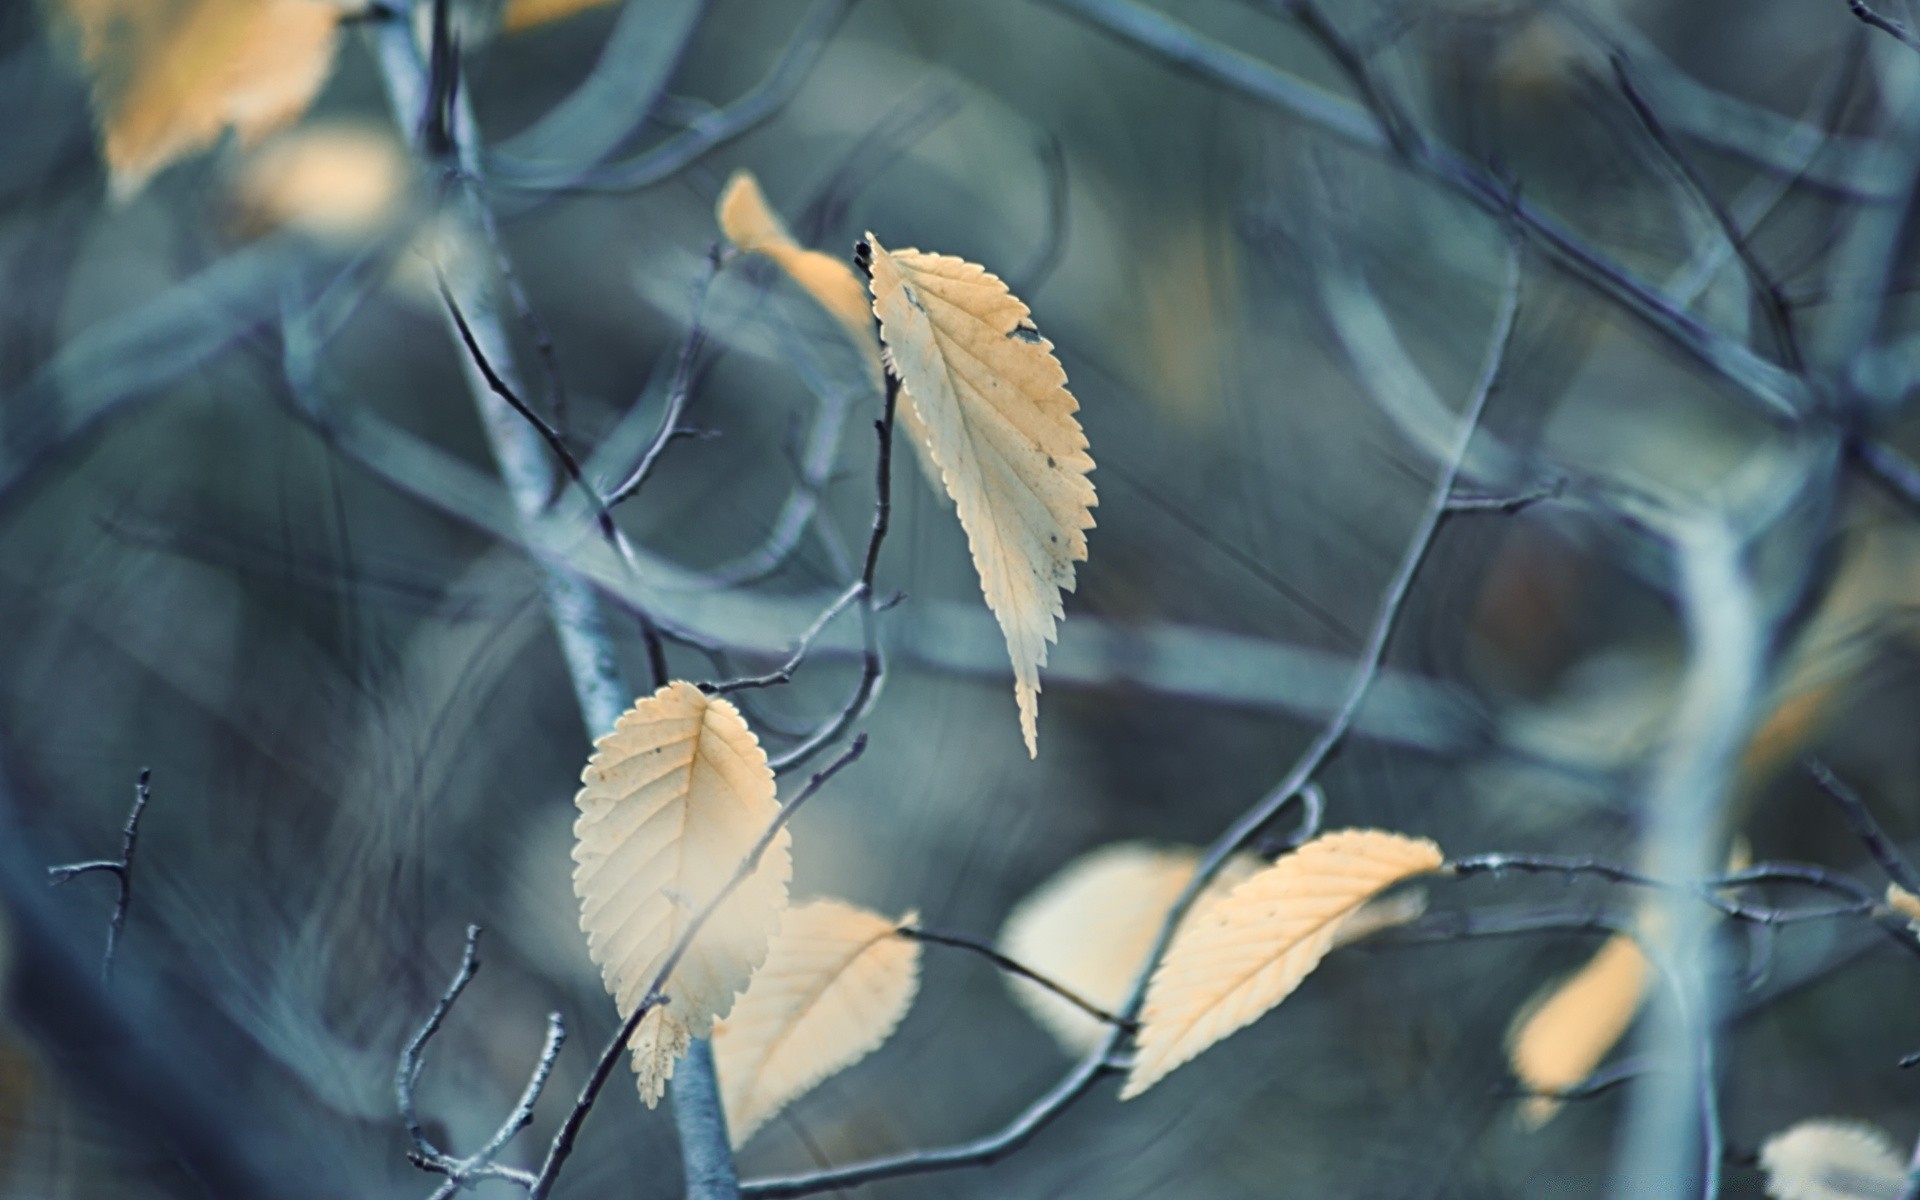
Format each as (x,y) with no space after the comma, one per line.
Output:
(1905,903)
(339,183)
(1561,1036)
(836,983)
(1832,1160)
(524,14)
(1252,949)
(1000,428)
(169,77)
(1090,927)
(675,798)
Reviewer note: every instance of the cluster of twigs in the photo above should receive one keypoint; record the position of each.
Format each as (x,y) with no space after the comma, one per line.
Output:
(1810,389)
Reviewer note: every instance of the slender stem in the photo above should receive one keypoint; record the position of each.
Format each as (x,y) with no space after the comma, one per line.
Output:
(1866,827)
(548,433)
(1773,299)
(872,660)
(1011,967)
(121,869)
(1887,25)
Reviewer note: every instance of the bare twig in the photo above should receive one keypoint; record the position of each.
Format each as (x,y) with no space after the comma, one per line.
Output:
(1887,25)
(480,1165)
(784,673)
(1519,501)
(1398,125)
(548,433)
(121,869)
(678,392)
(1012,967)
(872,660)
(1858,901)
(1777,395)
(1773,298)
(1861,820)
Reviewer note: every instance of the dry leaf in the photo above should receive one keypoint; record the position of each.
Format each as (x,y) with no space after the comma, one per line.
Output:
(836,983)
(1253,948)
(1832,1160)
(525,14)
(751,224)
(674,800)
(1000,427)
(1905,903)
(1090,927)
(1561,1036)
(339,183)
(170,76)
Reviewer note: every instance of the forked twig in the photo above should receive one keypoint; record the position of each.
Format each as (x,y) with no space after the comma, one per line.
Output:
(121,869)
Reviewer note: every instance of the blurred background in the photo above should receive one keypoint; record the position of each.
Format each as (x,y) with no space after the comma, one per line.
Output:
(363,738)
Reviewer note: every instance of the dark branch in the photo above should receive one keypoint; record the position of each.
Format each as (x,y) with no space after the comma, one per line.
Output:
(548,434)
(480,1165)
(121,869)
(1773,298)
(1012,967)
(1885,24)
(1866,827)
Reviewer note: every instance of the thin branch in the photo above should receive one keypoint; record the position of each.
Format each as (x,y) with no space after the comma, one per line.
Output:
(1773,299)
(548,434)
(1598,1083)
(784,673)
(412,1055)
(678,392)
(1398,125)
(522,304)
(1778,395)
(873,663)
(1889,468)
(1519,501)
(1887,25)
(121,869)
(1861,820)
(462,1171)
(1012,967)
(1859,901)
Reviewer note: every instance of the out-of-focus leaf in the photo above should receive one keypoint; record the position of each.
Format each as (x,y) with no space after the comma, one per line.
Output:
(1828,1159)
(675,798)
(1000,426)
(525,14)
(339,183)
(836,983)
(1561,1036)
(170,76)
(1905,903)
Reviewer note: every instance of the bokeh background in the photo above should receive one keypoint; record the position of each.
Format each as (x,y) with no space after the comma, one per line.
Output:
(363,738)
